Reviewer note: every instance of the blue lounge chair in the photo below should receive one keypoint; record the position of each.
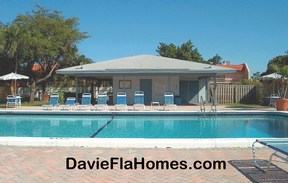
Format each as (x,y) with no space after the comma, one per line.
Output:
(86,101)
(169,100)
(69,104)
(280,146)
(139,100)
(10,101)
(18,100)
(53,102)
(121,100)
(102,101)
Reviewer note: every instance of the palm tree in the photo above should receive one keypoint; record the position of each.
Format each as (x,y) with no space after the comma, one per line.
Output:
(12,43)
(12,39)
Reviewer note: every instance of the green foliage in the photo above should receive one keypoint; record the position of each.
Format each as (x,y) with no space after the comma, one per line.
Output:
(245,106)
(256,75)
(61,97)
(279,65)
(45,38)
(215,60)
(2,28)
(249,82)
(185,52)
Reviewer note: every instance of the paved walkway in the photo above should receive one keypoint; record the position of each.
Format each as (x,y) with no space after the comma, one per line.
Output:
(48,164)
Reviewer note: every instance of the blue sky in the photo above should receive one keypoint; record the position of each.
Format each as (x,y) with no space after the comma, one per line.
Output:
(240,31)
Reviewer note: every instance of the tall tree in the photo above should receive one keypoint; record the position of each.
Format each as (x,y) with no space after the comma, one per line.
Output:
(215,60)
(14,41)
(185,52)
(277,64)
(50,42)
(2,26)
(166,50)
(256,75)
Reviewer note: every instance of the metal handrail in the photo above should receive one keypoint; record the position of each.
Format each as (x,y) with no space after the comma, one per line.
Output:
(213,105)
(202,105)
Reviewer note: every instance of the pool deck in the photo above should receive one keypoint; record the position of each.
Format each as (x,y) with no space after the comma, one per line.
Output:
(48,164)
(194,108)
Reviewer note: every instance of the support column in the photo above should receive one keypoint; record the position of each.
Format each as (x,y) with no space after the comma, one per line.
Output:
(77,88)
(207,89)
(124,81)
(214,89)
(169,83)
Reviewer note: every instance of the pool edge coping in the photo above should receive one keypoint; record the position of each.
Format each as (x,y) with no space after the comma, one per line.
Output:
(132,142)
(128,142)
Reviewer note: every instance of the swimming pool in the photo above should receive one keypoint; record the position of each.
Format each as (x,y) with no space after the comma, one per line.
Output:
(154,127)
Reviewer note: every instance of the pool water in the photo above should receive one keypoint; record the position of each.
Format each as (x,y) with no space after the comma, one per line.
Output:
(262,126)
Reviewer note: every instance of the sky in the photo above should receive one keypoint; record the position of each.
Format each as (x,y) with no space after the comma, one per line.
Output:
(240,31)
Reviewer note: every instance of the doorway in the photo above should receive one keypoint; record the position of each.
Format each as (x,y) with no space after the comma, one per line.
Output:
(146,87)
(189,92)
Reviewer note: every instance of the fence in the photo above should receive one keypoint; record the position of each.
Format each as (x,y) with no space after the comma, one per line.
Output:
(226,93)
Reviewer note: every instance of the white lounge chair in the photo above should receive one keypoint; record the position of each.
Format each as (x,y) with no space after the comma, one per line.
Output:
(85,102)
(169,100)
(102,101)
(10,101)
(121,101)
(69,104)
(139,100)
(53,102)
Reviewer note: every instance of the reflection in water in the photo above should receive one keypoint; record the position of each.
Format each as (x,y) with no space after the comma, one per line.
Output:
(121,124)
(139,125)
(86,123)
(169,125)
(37,133)
(54,123)
(145,127)
(195,127)
(49,126)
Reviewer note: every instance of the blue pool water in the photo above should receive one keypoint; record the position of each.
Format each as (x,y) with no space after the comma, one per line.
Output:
(262,126)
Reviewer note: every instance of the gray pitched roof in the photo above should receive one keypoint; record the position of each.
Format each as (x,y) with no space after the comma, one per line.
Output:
(144,64)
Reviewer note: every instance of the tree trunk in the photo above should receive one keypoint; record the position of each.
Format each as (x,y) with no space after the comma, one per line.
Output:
(12,91)
(32,92)
(91,91)
(44,93)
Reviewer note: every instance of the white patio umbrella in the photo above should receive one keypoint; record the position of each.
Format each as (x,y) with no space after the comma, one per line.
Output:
(271,76)
(13,76)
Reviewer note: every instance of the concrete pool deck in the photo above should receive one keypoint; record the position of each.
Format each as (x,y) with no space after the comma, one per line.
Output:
(48,164)
(179,108)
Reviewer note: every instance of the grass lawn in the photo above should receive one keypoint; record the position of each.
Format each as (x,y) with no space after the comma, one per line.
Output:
(244,106)
(36,103)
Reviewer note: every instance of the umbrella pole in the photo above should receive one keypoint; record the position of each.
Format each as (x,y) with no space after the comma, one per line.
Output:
(15,87)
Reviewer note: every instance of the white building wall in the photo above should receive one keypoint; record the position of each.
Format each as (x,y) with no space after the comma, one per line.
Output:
(202,88)
(160,84)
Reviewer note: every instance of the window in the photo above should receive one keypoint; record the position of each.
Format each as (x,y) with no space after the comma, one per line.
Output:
(124,84)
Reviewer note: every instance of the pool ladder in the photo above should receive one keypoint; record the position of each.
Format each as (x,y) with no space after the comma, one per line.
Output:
(213,105)
(202,105)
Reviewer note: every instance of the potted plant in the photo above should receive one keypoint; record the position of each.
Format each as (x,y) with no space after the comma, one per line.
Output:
(282,102)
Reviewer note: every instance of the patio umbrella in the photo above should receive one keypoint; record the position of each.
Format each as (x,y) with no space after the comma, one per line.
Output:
(13,76)
(271,76)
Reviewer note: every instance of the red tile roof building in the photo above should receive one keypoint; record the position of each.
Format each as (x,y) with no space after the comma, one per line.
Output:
(242,72)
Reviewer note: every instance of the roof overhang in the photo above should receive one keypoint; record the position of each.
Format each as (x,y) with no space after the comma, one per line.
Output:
(145,65)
